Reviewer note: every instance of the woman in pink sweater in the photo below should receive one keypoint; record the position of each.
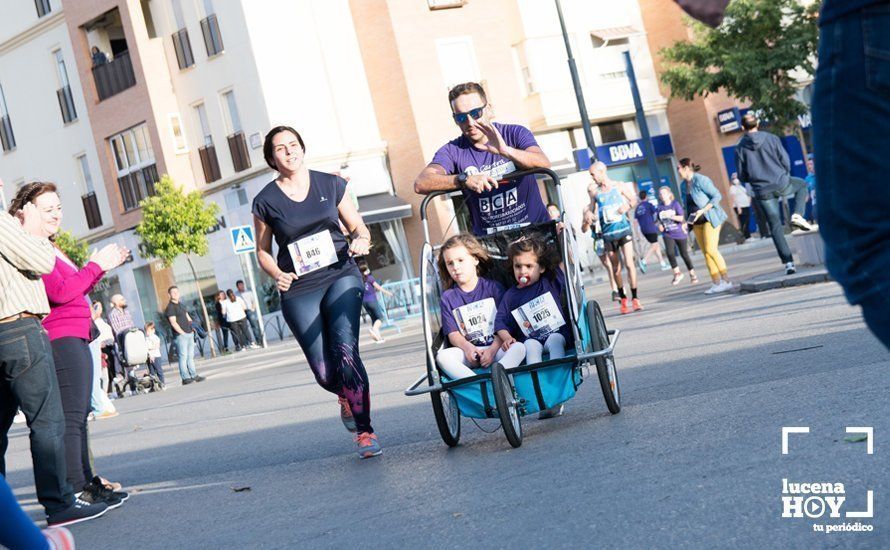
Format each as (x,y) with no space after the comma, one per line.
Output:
(68,327)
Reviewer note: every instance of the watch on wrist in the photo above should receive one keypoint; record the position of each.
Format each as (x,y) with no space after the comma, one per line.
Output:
(462,179)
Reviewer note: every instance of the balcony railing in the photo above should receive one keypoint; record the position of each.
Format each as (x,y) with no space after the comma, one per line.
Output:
(183,48)
(91,209)
(137,185)
(66,104)
(238,149)
(212,37)
(115,76)
(7,138)
(209,162)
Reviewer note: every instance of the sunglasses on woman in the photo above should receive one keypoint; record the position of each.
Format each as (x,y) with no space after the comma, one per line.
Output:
(476,113)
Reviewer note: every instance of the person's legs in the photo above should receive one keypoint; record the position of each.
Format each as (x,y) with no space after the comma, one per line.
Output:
(29,381)
(17,530)
(745,222)
(254,326)
(669,245)
(190,356)
(453,363)
(513,357)
(712,250)
(797,189)
(607,263)
(181,352)
(534,351)
(699,231)
(770,207)
(852,97)
(683,247)
(555,346)
(73,373)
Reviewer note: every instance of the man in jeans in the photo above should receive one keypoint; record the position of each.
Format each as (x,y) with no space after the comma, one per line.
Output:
(851,115)
(250,310)
(27,372)
(762,161)
(181,323)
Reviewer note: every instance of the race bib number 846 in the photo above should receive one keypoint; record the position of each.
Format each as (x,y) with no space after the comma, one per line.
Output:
(313,252)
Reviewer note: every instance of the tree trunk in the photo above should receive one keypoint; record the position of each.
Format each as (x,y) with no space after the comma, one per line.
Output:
(203,306)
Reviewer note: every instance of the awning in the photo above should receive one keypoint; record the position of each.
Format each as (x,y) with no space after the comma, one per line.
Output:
(614,33)
(382,207)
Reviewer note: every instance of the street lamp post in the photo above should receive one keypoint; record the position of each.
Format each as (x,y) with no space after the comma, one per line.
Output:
(579,94)
(641,122)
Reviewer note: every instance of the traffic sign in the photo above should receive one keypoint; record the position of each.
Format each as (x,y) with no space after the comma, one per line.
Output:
(242,239)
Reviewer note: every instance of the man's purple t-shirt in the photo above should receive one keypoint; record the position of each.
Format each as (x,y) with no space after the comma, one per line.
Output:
(515,297)
(455,298)
(672,229)
(512,204)
(645,215)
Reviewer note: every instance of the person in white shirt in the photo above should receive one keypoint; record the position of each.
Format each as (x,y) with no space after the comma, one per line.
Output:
(250,309)
(235,311)
(153,342)
(741,203)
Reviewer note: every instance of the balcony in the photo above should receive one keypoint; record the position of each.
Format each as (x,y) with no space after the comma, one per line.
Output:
(66,104)
(212,37)
(91,209)
(238,149)
(209,162)
(183,48)
(115,76)
(7,139)
(137,185)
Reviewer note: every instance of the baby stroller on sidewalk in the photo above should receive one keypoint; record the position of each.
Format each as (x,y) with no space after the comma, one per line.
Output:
(131,350)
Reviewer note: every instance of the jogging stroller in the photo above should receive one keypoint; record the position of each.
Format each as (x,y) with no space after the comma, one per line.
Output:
(131,349)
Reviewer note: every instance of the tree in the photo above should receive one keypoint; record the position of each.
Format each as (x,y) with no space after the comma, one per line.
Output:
(175,223)
(77,251)
(753,55)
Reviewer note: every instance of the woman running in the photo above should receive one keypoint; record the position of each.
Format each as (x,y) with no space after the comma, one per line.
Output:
(321,287)
(672,224)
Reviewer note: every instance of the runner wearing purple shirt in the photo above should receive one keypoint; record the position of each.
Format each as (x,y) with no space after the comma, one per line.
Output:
(645,216)
(672,223)
(468,309)
(475,161)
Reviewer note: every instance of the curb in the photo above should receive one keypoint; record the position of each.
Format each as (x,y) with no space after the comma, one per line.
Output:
(773,281)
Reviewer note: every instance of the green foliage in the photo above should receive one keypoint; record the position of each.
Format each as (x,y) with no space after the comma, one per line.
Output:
(77,251)
(175,222)
(750,56)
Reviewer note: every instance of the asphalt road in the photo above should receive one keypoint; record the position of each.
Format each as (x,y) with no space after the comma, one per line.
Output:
(693,459)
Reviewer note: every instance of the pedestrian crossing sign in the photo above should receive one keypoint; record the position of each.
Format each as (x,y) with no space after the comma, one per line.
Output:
(242,239)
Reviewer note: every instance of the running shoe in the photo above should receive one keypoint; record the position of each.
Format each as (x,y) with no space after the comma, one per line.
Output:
(790,269)
(58,538)
(799,222)
(615,297)
(109,488)
(199,378)
(19,418)
(624,307)
(643,266)
(106,414)
(693,279)
(368,445)
(346,414)
(665,266)
(187,381)
(552,412)
(677,278)
(95,494)
(637,305)
(727,286)
(715,288)
(79,510)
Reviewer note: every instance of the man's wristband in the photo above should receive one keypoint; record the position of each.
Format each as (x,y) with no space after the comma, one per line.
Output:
(461,180)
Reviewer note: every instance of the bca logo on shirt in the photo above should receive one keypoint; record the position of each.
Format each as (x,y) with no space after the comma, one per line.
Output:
(500,201)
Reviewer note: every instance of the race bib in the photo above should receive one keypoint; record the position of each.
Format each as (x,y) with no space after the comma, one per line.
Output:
(611,213)
(539,317)
(313,252)
(476,321)
(666,215)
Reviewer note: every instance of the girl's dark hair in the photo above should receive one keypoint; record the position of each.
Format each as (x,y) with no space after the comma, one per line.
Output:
(231,294)
(473,246)
(29,193)
(268,149)
(536,246)
(687,162)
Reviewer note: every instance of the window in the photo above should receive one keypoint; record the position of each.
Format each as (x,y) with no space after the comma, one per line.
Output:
(135,162)
(206,152)
(7,138)
(181,44)
(457,59)
(232,117)
(612,131)
(179,143)
(90,202)
(210,28)
(66,99)
(203,124)
(43,7)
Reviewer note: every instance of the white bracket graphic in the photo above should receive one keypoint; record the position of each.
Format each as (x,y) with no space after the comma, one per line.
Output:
(868,513)
(791,430)
(869,443)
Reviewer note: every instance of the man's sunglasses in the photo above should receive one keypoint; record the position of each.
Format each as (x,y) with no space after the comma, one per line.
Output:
(476,113)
